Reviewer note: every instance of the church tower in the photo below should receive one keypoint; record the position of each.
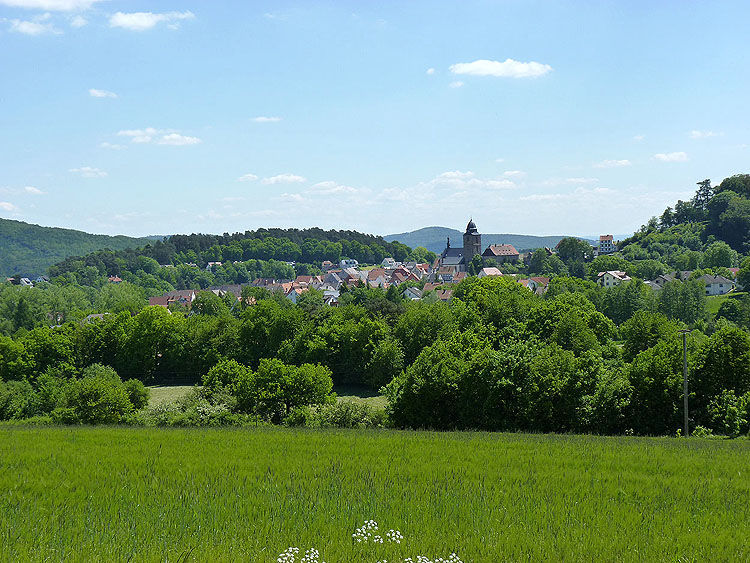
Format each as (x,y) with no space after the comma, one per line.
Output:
(472,242)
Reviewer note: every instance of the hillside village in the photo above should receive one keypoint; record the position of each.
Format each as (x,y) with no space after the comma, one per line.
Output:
(417,281)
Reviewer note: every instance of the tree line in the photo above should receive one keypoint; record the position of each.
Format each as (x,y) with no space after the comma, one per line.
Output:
(498,357)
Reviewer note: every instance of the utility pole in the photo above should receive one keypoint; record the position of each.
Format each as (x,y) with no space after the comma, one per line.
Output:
(685,332)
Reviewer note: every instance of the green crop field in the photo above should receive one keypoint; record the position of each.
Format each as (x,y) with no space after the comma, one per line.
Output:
(129,494)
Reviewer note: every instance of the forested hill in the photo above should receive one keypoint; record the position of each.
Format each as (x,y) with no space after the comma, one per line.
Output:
(433,238)
(203,259)
(28,249)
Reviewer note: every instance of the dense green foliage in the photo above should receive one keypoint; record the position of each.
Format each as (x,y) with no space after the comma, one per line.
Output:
(497,357)
(88,494)
(30,250)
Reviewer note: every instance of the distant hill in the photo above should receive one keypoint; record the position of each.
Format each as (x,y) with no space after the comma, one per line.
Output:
(433,238)
(30,250)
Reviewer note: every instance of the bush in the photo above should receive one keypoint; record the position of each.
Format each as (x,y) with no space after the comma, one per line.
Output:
(729,413)
(348,414)
(342,414)
(17,400)
(137,392)
(99,397)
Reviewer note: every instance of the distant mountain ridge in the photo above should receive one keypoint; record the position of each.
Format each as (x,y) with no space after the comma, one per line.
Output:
(29,250)
(434,239)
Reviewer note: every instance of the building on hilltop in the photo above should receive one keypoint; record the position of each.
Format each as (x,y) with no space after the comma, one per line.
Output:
(606,244)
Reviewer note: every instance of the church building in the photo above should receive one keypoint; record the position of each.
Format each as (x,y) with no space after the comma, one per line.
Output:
(459,258)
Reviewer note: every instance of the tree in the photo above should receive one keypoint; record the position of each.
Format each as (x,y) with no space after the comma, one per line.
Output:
(723,364)
(645,330)
(23,318)
(208,303)
(743,276)
(739,183)
(703,195)
(718,255)
(572,249)
(421,255)
(99,397)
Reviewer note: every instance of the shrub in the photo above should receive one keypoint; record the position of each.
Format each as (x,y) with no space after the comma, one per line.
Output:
(98,397)
(348,414)
(137,392)
(17,400)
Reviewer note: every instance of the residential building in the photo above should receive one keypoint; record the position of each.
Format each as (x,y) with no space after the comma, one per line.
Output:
(484,272)
(612,278)
(717,285)
(606,244)
(348,263)
(501,253)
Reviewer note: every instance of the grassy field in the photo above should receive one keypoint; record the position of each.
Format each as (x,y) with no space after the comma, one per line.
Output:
(128,494)
(167,393)
(352,393)
(714,302)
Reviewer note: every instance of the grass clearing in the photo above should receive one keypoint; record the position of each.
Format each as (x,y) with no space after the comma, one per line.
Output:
(360,394)
(713,302)
(167,393)
(84,494)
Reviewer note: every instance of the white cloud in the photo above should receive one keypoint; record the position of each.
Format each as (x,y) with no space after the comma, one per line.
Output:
(177,140)
(88,172)
(142,21)
(456,175)
(459,181)
(430,70)
(247,178)
(51,5)
(158,136)
(266,119)
(639,137)
(295,198)
(7,206)
(456,84)
(330,187)
(37,27)
(32,190)
(507,69)
(695,134)
(581,180)
(499,160)
(140,135)
(579,194)
(514,173)
(612,163)
(112,146)
(94,93)
(671,157)
(284,179)
(78,21)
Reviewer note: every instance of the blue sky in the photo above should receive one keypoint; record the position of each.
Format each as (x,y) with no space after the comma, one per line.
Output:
(533,117)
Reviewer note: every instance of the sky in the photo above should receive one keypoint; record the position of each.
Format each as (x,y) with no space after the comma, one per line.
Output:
(532,117)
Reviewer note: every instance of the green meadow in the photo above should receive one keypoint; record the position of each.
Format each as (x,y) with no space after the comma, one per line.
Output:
(130,494)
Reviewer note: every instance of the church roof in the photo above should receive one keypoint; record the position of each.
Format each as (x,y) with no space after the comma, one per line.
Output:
(451,251)
(471,228)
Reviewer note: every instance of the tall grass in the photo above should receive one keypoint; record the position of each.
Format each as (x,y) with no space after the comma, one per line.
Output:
(118,494)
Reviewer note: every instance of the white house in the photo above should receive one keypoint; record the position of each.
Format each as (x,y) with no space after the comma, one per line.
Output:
(612,278)
(413,293)
(348,263)
(489,272)
(717,285)
(389,263)
(606,244)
